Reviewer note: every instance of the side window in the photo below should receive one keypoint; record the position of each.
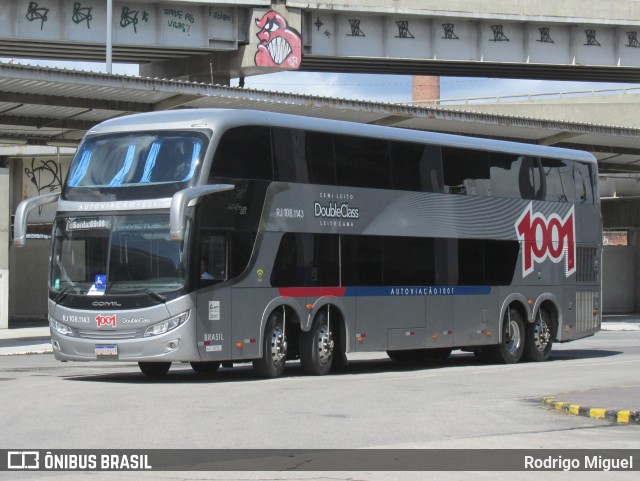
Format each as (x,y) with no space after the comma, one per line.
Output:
(408,261)
(584,183)
(320,159)
(515,176)
(212,265)
(416,167)
(289,155)
(500,258)
(362,162)
(324,269)
(223,256)
(470,262)
(465,171)
(288,268)
(559,185)
(240,249)
(306,260)
(244,153)
(361,260)
(530,179)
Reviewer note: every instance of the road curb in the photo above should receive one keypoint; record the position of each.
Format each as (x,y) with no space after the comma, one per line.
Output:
(613,415)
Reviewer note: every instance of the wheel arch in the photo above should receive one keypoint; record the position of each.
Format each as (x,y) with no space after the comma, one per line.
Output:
(290,306)
(549,303)
(337,307)
(515,301)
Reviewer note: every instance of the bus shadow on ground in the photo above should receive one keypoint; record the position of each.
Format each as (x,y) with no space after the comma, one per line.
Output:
(182,372)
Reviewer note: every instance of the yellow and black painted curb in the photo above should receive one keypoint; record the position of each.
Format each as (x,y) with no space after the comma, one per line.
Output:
(612,415)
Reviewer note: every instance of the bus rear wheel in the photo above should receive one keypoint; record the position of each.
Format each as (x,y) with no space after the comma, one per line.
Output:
(511,347)
(317,346)
(539,338)
(209,367)
(274,348)
(154,368)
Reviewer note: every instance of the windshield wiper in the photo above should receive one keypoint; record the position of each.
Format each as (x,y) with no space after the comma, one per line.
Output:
(61,295)
(156,296)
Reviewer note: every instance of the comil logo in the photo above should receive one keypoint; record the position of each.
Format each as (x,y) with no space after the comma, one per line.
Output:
(106,320)
(542,238)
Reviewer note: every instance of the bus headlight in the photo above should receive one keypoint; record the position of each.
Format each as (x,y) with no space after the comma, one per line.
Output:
(60,328)
(166,326)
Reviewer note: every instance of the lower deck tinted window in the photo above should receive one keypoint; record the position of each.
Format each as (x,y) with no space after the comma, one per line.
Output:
(361,260)
(408,261)
(486,262)
(332,260)
(307,260)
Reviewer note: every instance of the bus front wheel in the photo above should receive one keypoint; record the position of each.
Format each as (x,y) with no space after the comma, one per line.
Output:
(317,346)
(274,348)
(154,368)
(511,347)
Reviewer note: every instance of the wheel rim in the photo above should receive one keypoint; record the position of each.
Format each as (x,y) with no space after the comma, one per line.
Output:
(513,337)
(278,345)
(325,345)
(541,335)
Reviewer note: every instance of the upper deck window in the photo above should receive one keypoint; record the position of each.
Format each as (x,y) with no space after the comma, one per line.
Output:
(140,159)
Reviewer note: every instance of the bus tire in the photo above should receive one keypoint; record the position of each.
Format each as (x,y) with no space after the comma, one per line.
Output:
(154,368)
(539,338)
(274,348)
(317,346)
(511,346)
(209,367)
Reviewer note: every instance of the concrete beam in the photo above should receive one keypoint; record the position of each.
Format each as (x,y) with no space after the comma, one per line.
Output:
(73,102)
(557,138)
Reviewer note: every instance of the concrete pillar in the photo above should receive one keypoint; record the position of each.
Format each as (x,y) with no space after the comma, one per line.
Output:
(5,227)
(425,90)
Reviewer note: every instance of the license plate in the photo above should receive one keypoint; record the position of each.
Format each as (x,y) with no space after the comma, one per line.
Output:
(106,350)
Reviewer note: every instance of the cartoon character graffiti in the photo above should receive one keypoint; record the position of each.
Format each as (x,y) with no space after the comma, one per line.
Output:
(280,45)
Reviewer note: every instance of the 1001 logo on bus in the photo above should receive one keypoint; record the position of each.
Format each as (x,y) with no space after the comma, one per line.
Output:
(546,238)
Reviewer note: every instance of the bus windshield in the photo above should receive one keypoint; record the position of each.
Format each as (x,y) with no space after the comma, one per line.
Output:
(116,255)
(161,161)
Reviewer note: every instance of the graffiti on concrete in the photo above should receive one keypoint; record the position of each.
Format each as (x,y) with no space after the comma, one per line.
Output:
(34,12)
(498,34)
(280,45)
(545,36)
(591,38)
(449,33)
(45,175)
(403,29)
(355,29)
(633,40)
(81,14)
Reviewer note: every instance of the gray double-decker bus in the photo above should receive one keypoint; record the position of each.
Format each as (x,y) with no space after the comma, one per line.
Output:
(222,236)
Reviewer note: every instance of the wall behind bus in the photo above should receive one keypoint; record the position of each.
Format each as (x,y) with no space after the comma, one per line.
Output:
(32,175)
(621,264)
(4,248)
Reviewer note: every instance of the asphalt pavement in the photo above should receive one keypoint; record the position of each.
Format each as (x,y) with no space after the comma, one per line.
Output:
(618,404)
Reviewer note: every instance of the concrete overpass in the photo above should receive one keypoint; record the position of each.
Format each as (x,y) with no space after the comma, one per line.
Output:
(216,40)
